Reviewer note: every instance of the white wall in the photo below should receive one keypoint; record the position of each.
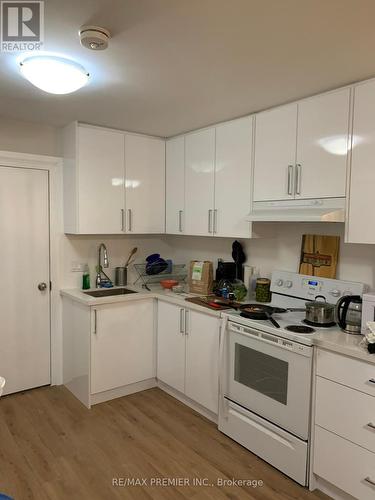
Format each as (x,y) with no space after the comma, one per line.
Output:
(27,137)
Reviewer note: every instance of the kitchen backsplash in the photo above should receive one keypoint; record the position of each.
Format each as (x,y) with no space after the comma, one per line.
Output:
(278,248)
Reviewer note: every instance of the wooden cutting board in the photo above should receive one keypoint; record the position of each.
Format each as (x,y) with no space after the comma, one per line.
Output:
(319,255)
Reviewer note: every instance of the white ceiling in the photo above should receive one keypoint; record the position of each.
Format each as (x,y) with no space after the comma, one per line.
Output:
(176,65)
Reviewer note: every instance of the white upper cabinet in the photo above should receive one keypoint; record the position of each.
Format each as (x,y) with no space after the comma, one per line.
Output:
(199,182)
(275,153)
(144,184)
(361,218)
(233,178)
(301,149)
(322,145)
(101,196)
(93,180)
(175,185)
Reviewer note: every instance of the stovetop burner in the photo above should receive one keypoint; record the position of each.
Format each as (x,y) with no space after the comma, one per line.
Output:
(319,325)
(299,329)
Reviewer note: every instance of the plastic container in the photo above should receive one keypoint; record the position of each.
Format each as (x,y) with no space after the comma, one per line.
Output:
(86,278)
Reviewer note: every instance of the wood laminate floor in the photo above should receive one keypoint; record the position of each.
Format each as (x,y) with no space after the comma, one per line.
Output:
(52,447)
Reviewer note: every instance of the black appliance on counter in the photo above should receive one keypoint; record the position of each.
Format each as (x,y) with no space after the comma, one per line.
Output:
(225,271)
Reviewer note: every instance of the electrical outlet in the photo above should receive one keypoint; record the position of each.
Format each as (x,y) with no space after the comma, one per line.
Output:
(77,267)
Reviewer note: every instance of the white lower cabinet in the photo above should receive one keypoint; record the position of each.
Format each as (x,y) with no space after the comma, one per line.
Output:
(122,344)
(344,443)
(188,353)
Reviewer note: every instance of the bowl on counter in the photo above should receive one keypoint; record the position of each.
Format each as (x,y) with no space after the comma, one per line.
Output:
(168,284)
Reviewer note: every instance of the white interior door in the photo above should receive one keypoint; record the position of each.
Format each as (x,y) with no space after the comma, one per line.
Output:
(24,254)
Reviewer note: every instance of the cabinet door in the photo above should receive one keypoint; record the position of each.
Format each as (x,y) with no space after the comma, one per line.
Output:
(171,345)
(122,344)
(202,359)
(275,153)
(361,223)
(199,182)
(100,180)
(175,185)
(233,178)
(322,145)
(144,184)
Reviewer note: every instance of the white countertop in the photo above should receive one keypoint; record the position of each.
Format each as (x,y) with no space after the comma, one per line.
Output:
(157,292)
(332,340)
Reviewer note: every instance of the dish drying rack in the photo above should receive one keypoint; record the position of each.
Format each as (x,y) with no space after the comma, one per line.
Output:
(178,273)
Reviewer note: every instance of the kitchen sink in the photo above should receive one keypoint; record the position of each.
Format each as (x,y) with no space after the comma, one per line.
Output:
(109,291)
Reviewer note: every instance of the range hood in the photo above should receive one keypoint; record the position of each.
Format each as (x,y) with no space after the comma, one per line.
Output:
(317,210)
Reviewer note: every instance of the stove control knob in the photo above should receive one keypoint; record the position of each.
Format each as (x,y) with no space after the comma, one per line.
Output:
(288,284)
(335,293)
(279,282)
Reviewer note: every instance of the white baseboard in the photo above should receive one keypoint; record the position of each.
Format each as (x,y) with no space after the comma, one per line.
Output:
(124,390)
(188,402)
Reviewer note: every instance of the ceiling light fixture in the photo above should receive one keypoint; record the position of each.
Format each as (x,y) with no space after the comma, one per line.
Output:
(54,74)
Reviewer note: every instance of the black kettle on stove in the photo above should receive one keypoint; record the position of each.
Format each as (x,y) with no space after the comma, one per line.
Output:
(349,314)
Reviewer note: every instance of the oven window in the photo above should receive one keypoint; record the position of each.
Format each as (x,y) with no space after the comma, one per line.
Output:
(261,372)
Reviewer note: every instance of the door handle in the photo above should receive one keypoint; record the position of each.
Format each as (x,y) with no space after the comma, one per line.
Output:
(130,221)
(210,220)
(290,180)
(95,321)
(122,220)
(371,425)
(215,221)
(182,319)
(180,220)
(298,178)
(372,380)
(42,286)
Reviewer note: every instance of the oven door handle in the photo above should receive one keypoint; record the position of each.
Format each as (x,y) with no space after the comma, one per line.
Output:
(246,417)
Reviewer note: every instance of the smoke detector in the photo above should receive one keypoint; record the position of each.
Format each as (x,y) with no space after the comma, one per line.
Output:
(94,37)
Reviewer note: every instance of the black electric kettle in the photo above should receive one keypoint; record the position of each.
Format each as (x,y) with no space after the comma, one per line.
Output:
(349,314)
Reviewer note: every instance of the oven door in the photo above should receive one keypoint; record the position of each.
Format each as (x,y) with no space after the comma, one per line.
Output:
(270,376)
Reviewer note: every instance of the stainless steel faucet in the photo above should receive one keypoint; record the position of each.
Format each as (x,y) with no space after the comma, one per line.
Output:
(101,278)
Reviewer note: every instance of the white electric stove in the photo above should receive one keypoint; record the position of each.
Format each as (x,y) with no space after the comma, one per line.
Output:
(292,290)
(266,373)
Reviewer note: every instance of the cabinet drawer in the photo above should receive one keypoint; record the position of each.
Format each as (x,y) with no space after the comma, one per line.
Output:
(344,464)
(346,412)
(347,371)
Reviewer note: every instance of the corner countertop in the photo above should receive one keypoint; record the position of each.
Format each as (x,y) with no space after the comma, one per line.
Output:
(157,292)
(343,343)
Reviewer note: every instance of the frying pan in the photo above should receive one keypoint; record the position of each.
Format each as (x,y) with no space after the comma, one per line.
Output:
(260,311)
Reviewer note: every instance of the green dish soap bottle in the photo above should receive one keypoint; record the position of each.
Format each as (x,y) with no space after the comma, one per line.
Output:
(86,278)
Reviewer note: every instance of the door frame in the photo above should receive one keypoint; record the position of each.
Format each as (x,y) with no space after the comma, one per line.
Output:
(53,165)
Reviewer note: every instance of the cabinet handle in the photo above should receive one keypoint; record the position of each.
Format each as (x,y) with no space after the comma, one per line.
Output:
(215,221)
(122,220)
(290,179)
(372,380)
(369,481)
(210,220)
(186,329)
(371,425)
(180,221)
(298,178)
(95,321)
(130,222)
(182,320)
